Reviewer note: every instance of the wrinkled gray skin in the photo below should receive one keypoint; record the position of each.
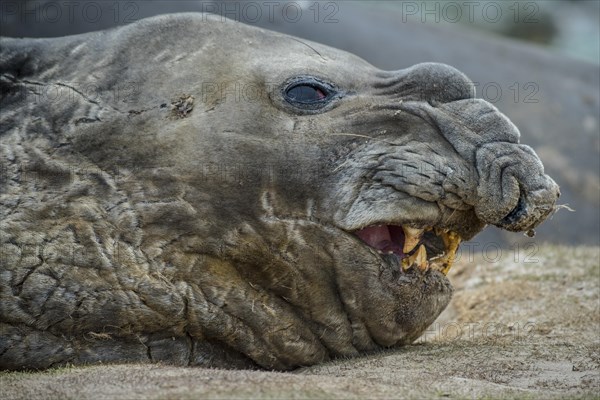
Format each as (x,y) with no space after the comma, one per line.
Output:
(135,229)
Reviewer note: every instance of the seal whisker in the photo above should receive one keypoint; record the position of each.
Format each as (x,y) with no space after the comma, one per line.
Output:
(309,46)
(365,137)
(351,134)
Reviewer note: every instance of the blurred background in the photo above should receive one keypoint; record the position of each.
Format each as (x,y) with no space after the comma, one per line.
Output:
(537,61)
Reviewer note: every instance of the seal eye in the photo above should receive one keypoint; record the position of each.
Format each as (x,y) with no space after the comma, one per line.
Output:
(309,93)
(305,94)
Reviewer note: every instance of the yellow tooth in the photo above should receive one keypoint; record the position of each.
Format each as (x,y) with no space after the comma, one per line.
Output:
(419,258)
(412,237)
(440,231)
(408,262)
(405,264)
(451,242)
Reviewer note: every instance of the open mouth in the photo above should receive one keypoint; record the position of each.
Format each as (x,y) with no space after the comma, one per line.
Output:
(423,248)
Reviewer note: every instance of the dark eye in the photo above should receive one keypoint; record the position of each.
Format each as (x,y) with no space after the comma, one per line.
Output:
(309,93)
(305,94)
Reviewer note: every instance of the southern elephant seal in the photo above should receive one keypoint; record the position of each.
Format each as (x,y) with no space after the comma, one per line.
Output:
(229,196)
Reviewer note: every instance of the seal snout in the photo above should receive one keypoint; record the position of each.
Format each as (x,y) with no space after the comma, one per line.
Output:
(506,185)
(431,82)
(514,193)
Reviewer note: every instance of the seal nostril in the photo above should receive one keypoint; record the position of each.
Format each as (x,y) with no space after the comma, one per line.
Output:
(517,213)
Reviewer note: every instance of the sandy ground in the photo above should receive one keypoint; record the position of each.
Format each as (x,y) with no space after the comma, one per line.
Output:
(526,325)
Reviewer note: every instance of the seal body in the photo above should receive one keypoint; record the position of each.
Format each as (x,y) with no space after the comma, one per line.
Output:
(200,192)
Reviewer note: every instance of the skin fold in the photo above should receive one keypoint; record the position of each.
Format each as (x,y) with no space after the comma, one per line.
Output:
(162,200)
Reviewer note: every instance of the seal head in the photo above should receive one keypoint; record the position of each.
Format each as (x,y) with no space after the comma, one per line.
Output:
(228,196)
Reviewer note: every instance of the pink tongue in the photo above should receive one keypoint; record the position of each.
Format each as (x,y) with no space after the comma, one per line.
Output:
(383,238)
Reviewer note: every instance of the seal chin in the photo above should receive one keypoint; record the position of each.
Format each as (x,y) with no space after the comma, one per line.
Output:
(408,247)
(421,296)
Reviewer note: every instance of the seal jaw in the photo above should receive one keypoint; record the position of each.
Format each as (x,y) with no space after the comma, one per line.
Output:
(422,248)
(421,296)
